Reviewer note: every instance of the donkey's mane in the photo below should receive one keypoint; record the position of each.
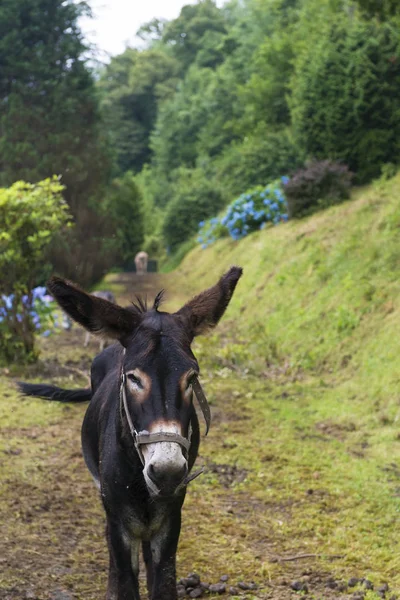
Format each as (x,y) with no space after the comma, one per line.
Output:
(140,304)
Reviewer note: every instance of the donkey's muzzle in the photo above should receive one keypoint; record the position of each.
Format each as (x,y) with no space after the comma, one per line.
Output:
(167,477)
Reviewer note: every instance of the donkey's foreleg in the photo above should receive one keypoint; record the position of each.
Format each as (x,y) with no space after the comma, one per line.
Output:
(148,561)
(87,338)
(163,548)
(123,581)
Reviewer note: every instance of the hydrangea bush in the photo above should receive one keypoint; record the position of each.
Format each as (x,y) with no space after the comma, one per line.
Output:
(249,212)
(39,309)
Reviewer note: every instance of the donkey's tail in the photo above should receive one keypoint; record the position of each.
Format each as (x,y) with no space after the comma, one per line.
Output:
(51,392)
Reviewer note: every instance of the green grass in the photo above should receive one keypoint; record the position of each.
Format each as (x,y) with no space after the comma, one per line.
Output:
(313,327)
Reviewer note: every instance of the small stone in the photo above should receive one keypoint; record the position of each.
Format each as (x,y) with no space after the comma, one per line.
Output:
(224,578)
(353,581)
(358,596)
(30,595)
(393,597)
(183,581)
(368,584)
(192,580)
(61,595)
(233,591)
(331,584)
(342,587)
(217,588)
(299,586)
(204,586)
(383,588)
(181,592)
(196,593)
(253,586)
(242,585)
(180,587)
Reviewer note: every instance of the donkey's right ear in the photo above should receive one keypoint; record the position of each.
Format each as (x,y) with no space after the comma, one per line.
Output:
(96,315)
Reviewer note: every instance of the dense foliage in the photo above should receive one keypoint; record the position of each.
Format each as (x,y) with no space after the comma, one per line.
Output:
(243,94)
(30,216)
(344,100)
(195,199)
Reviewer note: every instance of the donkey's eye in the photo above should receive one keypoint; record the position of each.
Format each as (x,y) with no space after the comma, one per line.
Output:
(135,381)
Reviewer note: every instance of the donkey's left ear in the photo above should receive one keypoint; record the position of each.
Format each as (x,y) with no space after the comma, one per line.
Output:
(96,315)
(206,309)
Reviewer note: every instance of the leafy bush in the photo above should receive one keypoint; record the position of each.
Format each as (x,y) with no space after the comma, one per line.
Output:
(250,212)
(30,215)
(195,199)
(319,185)
(260,157)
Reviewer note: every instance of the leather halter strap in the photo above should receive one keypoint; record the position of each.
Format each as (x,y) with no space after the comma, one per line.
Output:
(144,437)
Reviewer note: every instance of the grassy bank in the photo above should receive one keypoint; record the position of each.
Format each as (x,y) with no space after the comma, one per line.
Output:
(311,342)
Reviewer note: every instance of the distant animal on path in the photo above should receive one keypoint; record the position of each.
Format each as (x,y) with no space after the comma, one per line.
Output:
(140,434)
(105,295)
(141,262)
(67,321)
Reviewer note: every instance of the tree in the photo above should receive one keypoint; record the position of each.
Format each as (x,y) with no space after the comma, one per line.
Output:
(49,119)
(344,96)
(199,28)
(384,9)
(123,205)
(133,86)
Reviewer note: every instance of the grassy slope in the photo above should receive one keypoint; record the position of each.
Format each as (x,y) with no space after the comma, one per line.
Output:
(315,324)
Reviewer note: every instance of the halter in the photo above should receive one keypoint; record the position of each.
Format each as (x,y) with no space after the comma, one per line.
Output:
(144,437)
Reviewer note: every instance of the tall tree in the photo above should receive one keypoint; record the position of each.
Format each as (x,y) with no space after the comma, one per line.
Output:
(199,29)
(133,86)
(49,118)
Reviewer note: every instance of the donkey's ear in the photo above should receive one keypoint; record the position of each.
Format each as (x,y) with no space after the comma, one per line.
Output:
(206,309)
(96,315)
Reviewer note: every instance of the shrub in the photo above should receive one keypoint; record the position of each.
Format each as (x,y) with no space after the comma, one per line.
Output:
(262,156)
(195,199)
(250,212)
(319,185)
(30,215)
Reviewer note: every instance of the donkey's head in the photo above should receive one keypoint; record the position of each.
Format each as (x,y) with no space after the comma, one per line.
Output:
(158,370)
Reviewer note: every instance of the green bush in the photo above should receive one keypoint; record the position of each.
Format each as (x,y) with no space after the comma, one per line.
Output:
(261,157)
(123,206)
(195,199)
(319,185)
(30,216)
(344,101)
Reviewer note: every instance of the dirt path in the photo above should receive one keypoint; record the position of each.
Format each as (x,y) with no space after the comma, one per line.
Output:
(235,523)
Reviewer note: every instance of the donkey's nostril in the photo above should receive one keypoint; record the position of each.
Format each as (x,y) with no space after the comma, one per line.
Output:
(167,476)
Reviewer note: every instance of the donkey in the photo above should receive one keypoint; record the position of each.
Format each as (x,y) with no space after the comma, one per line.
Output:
(140,434)
(141,260)
(106,295)
(67,321)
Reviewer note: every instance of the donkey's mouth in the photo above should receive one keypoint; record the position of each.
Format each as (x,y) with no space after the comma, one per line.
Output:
(162,492)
